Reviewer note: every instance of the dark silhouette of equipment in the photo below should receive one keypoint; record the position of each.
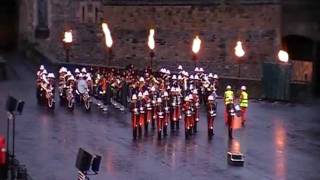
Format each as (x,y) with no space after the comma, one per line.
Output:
(13,107)
(20,107)
(11,104)
(84,159)
(96,164)
(83,163)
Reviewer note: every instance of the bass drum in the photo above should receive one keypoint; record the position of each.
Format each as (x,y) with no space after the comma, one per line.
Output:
(82,86)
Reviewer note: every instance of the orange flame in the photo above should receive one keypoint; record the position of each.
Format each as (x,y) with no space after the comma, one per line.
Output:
(151,42)
(196,45)
(67,37)
(283,56)
(107,35)
(238,50)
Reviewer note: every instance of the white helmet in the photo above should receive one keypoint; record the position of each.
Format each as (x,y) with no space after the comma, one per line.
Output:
(159,100)
(167,71)
(190,96)
(165,94)
(163,70)
(71,78)
(134,97)
(89,78)
(83,70)
(77,70)
(215,76)
(191,76)
(228,87)
(80,76)
(173,89)
(195,91)
(141,79)
(51,75)
(146,93)
(196,69)
(186,98)
(210,98)
(179,77)
(210,75)
(186,74)
(42,67)
(180,67)
(140,94)
(201,70)
(153,88)
(243,88)
(178,89)
(63,70)
(174,77)
(68,73)
(196,77)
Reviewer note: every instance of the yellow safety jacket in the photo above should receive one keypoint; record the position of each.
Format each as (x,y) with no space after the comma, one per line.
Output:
(228,97)
(244,99)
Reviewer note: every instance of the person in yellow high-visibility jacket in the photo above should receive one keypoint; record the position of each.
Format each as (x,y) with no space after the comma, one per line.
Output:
(244,103)
(228,100)
(228,96)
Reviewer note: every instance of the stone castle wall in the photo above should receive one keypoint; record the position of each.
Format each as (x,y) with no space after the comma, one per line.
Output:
(218,26)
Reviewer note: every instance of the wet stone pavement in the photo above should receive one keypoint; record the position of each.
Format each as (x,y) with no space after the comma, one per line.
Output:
(280,141)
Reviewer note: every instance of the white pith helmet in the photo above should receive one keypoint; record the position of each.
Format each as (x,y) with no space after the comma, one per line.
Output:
(195,91)
(51,75)
(146,93)
(134,97)
(63,70)
(42,67)
(174,77)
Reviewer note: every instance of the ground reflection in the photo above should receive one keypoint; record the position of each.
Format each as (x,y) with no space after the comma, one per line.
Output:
(234,146)
(280,145)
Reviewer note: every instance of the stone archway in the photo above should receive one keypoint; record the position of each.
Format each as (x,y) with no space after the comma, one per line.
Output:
(305,50)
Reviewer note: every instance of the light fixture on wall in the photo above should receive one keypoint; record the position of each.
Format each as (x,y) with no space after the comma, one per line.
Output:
(239,52)
(108,41)
(196,45)
(67,43)
(283,56)
(151,45)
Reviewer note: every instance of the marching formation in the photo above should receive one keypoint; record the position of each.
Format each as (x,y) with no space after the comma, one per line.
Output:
(157,100)
(71,88)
